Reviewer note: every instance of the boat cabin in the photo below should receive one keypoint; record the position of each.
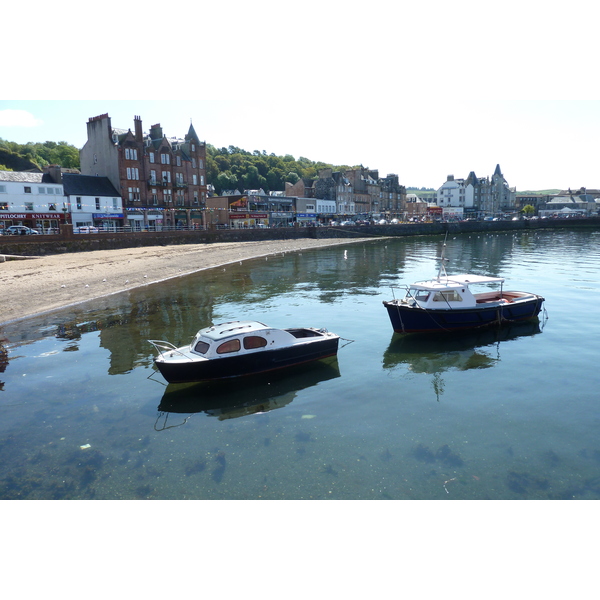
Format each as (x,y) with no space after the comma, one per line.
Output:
(244,336)
(452,292)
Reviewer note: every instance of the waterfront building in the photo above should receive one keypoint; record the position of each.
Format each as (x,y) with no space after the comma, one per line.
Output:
(162,180)
(93,201)
(35,200)
(476,197)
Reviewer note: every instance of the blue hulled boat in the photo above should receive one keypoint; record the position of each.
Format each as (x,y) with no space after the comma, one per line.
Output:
(447,304)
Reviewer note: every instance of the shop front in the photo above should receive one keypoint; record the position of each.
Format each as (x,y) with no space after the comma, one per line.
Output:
(42,222)
(282,219)
(248,220)
(108,221)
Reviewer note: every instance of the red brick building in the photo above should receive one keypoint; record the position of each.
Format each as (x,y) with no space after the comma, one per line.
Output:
(162,180)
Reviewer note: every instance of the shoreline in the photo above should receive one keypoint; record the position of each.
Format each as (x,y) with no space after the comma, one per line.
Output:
(45,284)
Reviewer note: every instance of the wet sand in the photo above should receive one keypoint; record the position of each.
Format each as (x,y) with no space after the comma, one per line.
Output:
(39,285)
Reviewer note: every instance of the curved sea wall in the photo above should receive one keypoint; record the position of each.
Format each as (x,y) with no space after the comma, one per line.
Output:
(68,242)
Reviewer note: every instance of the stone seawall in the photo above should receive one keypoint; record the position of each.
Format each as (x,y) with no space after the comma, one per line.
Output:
(60,243)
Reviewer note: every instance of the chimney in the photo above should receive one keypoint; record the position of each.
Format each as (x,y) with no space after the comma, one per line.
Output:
(139,136)
(55,173)
(156,132)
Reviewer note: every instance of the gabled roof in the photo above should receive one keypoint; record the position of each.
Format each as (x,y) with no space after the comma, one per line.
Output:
(88,185)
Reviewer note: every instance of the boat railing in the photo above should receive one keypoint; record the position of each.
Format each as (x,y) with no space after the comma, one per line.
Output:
(162,346)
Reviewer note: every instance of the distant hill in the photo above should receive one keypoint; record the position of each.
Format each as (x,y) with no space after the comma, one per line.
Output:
(538,193)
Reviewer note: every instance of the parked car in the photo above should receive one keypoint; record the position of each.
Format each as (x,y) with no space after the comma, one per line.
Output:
(20,230)
(86,229)
(346,223)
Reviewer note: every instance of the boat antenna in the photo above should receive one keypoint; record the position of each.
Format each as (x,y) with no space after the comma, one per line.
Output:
(443,260)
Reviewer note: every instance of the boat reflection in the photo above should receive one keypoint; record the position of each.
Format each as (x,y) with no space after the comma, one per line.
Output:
(243,396)
(434,354)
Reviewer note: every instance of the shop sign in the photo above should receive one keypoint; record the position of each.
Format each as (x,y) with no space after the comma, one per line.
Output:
(259,216)
(238,216)
(30,215)
(107,215)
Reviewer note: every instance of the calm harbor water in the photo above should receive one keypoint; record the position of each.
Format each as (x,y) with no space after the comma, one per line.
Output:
(509,414)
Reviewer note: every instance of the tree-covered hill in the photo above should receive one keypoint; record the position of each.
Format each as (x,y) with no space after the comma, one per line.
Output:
(23,157)
(233,168)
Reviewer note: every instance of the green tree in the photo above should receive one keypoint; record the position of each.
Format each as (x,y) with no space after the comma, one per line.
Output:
(528,209)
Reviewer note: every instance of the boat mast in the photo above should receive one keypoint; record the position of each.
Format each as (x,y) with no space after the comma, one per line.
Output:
(443,260)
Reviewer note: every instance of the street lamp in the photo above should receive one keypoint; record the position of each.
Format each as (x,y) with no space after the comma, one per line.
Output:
(65,210)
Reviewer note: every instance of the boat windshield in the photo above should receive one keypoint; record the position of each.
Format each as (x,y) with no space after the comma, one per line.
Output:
(201,347)
(415,294)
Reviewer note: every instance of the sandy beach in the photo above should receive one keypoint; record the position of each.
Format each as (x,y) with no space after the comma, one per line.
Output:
(39,285)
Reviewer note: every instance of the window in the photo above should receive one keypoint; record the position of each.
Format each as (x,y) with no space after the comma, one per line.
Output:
(134,193)
(131,153)
(201,347)
(166,176)
(230,346)
(151,155)
(97,203)
(28,205)
(3,205)
(165,159)
(42,190)
(179,161)
(27,190)
(115,204)
(447,296)
(254,341)
(195,179)
(78,201)
(133,173)
(2,189)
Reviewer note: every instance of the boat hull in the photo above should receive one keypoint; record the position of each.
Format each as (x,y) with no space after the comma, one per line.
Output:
(248,364)
(409,319)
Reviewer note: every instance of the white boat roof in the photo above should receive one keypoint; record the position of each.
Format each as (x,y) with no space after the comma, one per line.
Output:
(451,281)
(223,330)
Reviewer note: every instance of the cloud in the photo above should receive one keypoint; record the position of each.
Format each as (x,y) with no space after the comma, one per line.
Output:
(18,118)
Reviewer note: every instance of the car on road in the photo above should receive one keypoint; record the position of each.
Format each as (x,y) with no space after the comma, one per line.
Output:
(20,230)
(86,229)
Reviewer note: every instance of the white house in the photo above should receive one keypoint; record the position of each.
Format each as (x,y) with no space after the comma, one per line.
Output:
(454,196)
(31,199)
(93,201)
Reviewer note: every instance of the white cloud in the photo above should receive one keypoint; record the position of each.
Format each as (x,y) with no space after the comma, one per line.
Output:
(18,118)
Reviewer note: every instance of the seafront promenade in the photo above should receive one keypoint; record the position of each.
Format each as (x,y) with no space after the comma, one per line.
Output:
(68,242)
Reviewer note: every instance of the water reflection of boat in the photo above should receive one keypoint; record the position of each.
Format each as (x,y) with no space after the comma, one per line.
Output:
(435,353)
(226,399)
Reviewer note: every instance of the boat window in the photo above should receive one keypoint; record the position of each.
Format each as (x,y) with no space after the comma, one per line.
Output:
(230,346)
(447,296)
(420,295)
(201,347)
(254,341)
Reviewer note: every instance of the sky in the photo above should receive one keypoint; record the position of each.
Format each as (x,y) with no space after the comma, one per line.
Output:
(422,90)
